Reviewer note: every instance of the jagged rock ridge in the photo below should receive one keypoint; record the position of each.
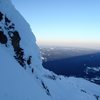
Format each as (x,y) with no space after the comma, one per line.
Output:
(14,37)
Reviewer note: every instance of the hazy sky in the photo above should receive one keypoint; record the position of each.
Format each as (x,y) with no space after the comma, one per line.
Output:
(63,21)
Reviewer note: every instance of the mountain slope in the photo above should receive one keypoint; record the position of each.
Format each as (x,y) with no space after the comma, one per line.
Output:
(16,84)
(22,76)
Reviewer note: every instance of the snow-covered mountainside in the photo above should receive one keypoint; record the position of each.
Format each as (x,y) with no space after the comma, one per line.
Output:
(22,76)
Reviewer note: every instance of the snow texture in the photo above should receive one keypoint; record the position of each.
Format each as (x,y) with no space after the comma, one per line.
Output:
(22,76)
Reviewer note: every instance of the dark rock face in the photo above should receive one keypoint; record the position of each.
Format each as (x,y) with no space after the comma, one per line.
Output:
(32,70)
(1,16)
(3,38)
(20,57)
(15,39)
(13,36)
(45,88)
(29,60)
(7,21)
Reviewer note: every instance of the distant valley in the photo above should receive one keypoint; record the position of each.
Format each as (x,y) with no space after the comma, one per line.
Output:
(69,61)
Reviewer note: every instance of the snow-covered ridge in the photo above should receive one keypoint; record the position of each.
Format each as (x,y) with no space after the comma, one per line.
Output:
(24,38)
(22,76)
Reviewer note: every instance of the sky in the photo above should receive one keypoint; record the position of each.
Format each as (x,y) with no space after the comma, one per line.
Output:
(63,22)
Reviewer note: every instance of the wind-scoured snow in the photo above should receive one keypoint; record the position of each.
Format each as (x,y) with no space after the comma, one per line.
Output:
(22,76)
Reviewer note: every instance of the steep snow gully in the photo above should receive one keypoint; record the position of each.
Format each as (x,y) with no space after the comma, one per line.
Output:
(22,76)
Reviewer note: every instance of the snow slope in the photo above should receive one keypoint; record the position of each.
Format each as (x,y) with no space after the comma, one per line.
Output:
(22,76)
